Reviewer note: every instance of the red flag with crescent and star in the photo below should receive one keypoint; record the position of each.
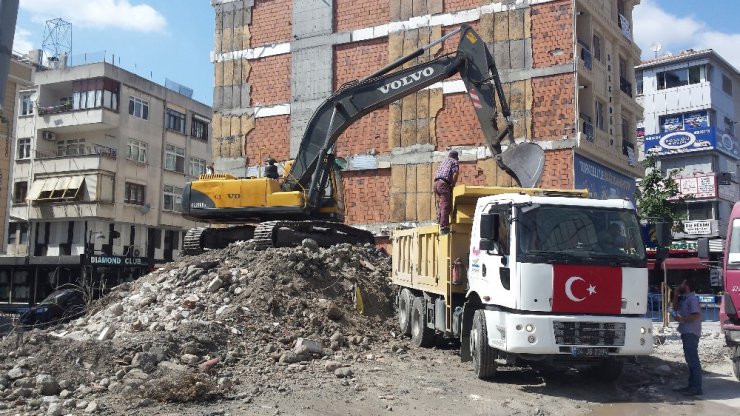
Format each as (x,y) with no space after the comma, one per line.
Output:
(587,289)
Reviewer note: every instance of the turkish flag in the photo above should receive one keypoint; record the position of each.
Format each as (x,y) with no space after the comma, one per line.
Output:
(587,289)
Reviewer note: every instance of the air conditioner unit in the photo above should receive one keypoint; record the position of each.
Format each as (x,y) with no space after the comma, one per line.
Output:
(49,135)
(133,251)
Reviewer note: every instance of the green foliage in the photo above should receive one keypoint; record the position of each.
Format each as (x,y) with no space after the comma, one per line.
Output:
(658,196)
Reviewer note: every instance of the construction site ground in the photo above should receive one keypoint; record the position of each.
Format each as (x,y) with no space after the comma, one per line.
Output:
(245,332)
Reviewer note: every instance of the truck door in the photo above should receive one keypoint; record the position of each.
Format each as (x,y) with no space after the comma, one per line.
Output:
(494,265)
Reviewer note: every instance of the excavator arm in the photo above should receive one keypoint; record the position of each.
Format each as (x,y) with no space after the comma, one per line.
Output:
(472,60)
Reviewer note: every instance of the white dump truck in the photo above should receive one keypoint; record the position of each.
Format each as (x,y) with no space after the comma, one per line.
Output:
(527,275)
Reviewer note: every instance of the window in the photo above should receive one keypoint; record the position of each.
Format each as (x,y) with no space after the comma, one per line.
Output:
(726,85)
(137,151)
(197,167)
(174,158)
(24,148)
(175,121)
(729,127)
(638,82)
(172,198)
(680,77)
(26,105)
(600,115)
(625,129)
(20,191)
(138,108)
(700,211)
(597,47)
(18,226)
(71,147)
(95,93)
(199,129)
(134,193)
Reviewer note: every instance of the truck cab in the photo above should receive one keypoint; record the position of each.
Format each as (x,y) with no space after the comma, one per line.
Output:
(730,304)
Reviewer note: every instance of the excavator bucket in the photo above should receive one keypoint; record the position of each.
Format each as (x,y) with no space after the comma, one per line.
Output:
(525,162)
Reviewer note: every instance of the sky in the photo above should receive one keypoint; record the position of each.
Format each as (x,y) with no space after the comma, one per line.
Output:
(173,39)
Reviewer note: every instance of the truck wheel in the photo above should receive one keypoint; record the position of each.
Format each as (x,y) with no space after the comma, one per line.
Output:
(484,357)
(421,335)
(405,298)
(609,370)
(736,362)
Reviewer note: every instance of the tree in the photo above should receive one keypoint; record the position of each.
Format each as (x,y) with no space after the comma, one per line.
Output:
(658,195)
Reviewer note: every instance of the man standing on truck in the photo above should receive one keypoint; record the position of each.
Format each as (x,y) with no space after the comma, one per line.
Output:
(688,316)
(445,178)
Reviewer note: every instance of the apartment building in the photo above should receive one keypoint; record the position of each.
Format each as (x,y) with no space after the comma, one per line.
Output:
(567,66)
(99,161)
(19,77)
(692,106)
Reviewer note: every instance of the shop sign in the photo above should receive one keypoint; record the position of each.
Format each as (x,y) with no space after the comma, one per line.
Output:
(697,227)
(698,186)
(118,261)
(602,182)
(692,140)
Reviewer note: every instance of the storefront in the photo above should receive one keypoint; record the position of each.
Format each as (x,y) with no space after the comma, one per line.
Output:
(26,281)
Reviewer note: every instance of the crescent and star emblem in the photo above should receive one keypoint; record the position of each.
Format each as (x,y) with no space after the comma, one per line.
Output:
(569,289)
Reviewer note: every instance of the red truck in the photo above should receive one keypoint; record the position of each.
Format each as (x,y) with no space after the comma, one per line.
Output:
(730,307)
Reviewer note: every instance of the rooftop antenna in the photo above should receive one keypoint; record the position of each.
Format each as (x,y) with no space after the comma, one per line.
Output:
(656,47)
(57,44)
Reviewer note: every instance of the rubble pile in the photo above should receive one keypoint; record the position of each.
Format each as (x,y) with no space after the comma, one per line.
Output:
(227,322)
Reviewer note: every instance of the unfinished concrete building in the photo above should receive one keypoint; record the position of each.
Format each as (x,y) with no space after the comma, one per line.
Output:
(567,67)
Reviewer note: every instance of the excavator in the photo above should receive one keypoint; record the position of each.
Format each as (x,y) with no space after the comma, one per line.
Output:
(307,201)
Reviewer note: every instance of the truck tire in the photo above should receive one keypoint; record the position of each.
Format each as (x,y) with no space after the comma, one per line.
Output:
(736,362)
(421,335)
(405,300)
(609,370)
(484,357)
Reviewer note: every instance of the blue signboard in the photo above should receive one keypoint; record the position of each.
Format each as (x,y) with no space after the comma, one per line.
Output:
(602,182)
(692,140)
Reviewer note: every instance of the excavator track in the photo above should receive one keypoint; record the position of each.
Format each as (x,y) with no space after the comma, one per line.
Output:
(191,242)
(291,233)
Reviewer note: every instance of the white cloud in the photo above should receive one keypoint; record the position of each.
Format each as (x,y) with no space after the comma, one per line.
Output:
(22,40)
(677,33)
(105,14)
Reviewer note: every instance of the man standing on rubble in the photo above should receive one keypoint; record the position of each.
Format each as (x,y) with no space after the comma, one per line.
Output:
(688,316)
(445,178)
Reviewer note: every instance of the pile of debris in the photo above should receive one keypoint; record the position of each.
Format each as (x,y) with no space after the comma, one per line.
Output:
(220,323)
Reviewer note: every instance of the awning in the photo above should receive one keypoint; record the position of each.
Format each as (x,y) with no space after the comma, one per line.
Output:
(35,191)
(680,263)
(55,188)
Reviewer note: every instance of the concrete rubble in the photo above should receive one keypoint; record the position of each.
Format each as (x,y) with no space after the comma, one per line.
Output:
(226,323)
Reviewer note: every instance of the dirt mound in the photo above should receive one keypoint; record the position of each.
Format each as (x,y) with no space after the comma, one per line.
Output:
(196,328)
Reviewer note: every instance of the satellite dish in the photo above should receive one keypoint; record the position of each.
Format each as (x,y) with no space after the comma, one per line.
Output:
(656,47)
(145,208)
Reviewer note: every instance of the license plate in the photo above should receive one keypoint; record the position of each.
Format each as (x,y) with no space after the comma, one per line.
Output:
(589,352)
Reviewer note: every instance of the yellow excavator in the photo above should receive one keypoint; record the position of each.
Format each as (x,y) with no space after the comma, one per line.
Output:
(307,201)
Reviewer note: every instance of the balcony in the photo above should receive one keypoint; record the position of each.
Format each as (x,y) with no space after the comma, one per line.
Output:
(586,57)
(625,86)
(624,25)
(628,149)
(64,119)
(588,130)
(82,158)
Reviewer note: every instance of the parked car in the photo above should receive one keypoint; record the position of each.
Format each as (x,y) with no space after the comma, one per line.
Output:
(60,306)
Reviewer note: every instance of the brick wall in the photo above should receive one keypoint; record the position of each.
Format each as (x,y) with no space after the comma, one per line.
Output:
(558,169)
(553,106)
(357,60)
(271,22)
(457,124)
(552,33)
(270,135)
(353,14)
(270,80)
(457,5)
(370,132)
(367,196)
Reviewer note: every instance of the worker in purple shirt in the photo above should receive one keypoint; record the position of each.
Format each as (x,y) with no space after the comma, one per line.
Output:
(688,316)
(445,178)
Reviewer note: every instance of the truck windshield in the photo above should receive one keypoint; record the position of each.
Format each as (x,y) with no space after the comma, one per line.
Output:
(579,235)
(733,246)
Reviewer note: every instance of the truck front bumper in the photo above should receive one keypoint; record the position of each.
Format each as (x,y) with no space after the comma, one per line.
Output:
(568,335)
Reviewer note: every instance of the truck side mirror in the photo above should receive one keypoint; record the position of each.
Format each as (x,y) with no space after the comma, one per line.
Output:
(489,224)
(702,247)
(663,234)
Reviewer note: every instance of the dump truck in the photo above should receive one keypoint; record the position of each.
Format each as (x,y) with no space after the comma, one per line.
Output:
(527,276)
